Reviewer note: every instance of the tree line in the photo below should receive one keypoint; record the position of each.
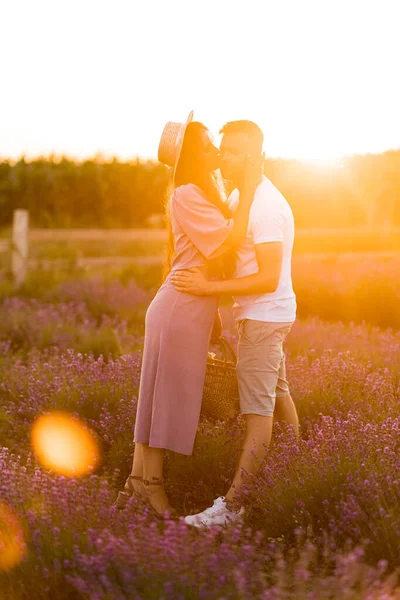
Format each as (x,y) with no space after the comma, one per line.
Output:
(59,192)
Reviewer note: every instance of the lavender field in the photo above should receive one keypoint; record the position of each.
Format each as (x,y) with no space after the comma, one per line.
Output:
(323,515)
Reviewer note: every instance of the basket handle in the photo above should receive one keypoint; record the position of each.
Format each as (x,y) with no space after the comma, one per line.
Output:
(227,349)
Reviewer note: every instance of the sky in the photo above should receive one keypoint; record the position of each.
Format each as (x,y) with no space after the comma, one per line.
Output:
(81,77)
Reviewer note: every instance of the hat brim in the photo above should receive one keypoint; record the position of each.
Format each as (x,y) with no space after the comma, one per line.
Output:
(179,149)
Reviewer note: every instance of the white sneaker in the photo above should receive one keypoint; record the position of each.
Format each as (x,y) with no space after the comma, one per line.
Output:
(217,514)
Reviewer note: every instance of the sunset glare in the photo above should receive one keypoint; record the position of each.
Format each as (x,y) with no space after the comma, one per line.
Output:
(12,543)
(62,444)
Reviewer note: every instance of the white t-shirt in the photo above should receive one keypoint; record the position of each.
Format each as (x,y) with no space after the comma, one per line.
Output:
(270,220)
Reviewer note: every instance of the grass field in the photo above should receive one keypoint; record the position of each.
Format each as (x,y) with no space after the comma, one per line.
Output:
(322,517)
(75,244)
(335,287)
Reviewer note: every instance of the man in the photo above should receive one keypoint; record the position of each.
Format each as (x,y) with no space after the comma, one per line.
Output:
(265,309)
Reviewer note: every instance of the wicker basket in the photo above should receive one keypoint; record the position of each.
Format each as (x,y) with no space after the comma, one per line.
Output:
(221,394)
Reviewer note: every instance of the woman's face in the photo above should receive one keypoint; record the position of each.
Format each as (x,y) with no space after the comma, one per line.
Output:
(210,151)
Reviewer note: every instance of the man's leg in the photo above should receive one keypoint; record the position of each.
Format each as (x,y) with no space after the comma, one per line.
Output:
(260,356)
(261,372)
(285,412)
(257,438)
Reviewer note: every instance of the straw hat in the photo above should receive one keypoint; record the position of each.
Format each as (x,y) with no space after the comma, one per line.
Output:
(171,142)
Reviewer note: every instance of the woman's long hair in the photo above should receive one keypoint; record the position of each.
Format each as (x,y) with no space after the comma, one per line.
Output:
(192,168)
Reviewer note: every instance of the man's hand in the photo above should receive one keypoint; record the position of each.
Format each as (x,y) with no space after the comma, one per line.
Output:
(252,176)
(191,281)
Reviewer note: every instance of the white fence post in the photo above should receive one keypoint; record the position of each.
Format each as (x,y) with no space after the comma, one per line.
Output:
(19,257)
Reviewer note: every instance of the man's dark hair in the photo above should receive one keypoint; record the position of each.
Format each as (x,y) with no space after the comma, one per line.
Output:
(247,127)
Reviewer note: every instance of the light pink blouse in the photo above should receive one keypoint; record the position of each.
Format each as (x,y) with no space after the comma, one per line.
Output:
(198,226)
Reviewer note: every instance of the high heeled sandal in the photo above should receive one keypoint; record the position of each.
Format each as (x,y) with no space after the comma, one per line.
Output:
(170,513)
(131,490)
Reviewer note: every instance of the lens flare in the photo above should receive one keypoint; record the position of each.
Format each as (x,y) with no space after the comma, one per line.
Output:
(64,445)
(12,543)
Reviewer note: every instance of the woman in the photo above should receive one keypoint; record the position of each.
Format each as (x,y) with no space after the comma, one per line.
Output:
(178,326)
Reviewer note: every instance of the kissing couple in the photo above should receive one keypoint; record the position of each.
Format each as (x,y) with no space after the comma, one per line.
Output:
(241,246)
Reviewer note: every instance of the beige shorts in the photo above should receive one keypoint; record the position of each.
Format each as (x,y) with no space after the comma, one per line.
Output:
(261,365)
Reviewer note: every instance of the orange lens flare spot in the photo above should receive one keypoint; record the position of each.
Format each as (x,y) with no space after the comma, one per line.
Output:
(12,543)
(64,445)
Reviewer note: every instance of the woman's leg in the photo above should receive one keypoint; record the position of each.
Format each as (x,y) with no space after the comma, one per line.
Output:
(134,483)
(137,463)
(153,462)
